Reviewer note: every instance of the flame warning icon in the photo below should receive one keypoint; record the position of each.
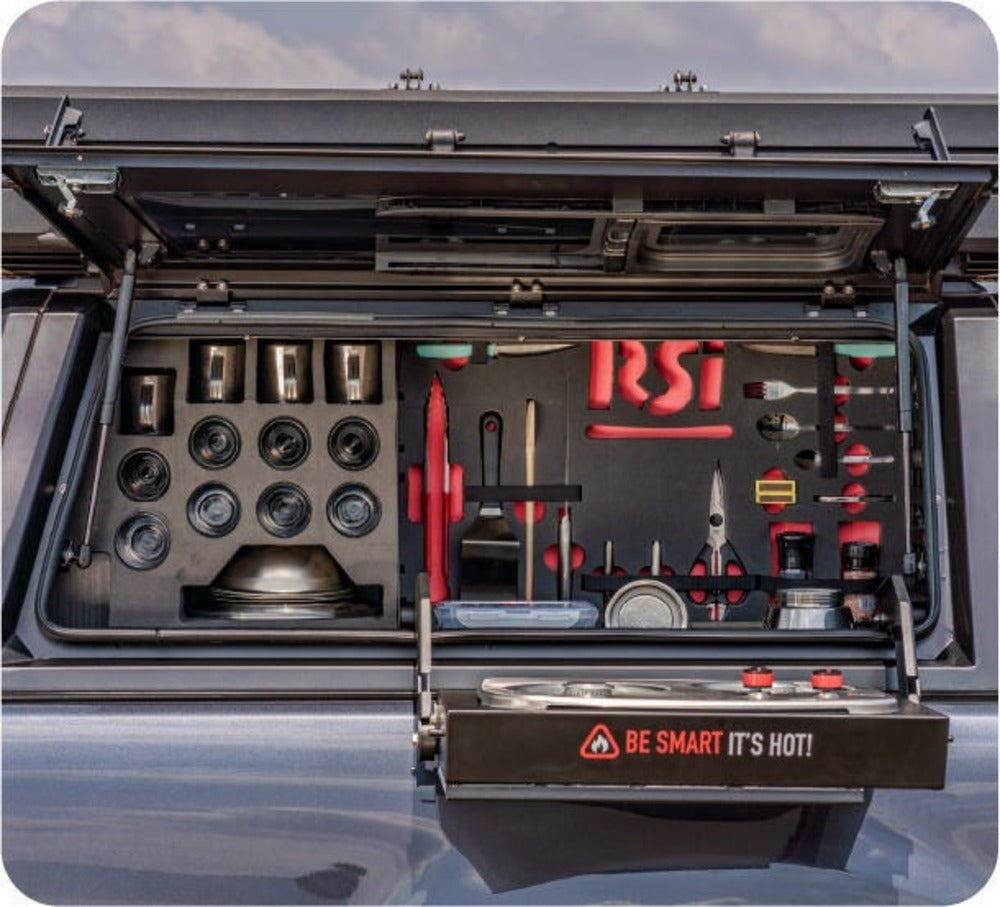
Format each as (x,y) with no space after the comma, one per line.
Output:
(600,744)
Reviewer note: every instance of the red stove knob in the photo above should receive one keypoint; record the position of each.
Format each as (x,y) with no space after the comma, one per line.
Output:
(758,678)
(827,679)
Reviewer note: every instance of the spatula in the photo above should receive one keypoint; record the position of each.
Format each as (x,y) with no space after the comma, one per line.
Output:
(490,550)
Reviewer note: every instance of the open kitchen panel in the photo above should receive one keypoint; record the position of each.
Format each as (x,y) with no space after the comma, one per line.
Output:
(305,483)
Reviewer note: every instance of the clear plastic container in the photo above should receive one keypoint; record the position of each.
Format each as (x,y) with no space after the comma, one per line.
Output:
(570,615)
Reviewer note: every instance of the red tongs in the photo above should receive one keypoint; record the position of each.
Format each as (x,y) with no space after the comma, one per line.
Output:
(434,493)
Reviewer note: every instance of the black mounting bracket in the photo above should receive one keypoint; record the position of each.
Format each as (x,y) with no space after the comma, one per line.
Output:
(67,124)
(929,137)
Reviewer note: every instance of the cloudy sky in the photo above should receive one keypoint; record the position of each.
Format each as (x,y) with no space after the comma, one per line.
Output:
(749,46)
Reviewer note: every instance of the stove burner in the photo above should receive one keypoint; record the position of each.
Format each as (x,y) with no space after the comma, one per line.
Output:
(588,689)
(679,695)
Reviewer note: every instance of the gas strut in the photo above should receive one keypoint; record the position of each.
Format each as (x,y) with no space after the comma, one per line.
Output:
(116,358)
(904,398)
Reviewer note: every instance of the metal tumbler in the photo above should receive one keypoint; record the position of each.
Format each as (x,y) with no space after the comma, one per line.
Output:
(216,371)
(353,371)
(147,401)
(284,372)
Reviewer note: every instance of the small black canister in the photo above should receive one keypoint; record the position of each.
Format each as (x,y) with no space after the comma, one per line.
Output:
(859,560)
(795,554)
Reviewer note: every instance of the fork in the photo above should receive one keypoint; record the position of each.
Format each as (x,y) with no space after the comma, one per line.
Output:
(778,390)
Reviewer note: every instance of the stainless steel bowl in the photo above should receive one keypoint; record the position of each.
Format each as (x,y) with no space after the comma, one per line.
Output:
(289,570)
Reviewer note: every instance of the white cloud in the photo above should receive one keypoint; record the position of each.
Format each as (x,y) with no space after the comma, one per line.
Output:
(534,18)
(886,46)
(169,44)
(445,42)
(641,25)
(881,42)
(54,14)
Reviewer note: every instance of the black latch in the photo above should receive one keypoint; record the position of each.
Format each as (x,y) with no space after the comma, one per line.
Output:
(742,143)
(67,124)
(617,235)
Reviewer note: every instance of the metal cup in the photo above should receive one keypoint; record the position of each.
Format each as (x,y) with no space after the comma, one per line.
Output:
(284,372)
(214,442)
(213,510)
(283,443)
(216,371)
(142,542)
(147,401)
(283,509)
(143,475)
(353,371)
(353,443)
(353,510)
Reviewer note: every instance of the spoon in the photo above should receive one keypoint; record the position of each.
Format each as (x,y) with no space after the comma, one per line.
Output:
(810,459)
(785,427)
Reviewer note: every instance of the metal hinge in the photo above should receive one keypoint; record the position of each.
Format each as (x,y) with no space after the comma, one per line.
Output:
(924,195)
(844,296)
(526,296)
(443,139)
(907,672)
(741,143)
(74,182)
(430,714)
(413,80)
(685,81)
(212,292)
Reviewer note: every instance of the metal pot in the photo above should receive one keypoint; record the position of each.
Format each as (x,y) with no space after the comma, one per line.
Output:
(808,608)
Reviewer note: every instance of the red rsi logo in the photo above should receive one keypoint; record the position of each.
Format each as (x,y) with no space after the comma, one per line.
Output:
(666,360)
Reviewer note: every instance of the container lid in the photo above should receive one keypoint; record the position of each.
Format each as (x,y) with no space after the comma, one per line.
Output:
(646,603)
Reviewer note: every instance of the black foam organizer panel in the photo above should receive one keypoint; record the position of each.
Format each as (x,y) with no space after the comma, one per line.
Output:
(155,598)
(635,491)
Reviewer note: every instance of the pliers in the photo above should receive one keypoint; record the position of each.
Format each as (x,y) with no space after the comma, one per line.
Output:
(717,557)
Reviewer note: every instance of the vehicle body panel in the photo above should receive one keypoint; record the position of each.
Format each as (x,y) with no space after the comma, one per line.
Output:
(292,802)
